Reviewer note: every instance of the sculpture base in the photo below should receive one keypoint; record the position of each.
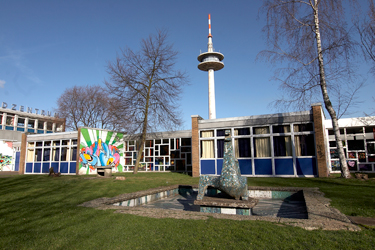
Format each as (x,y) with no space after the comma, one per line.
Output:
(222,205)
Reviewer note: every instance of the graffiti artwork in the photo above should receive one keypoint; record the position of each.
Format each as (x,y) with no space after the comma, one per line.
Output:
(100,148)
(6,152)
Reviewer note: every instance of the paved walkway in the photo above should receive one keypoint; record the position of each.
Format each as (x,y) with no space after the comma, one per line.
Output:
(7,173)
(362,220)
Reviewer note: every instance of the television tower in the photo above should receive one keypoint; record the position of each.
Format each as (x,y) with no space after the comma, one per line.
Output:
(210,61)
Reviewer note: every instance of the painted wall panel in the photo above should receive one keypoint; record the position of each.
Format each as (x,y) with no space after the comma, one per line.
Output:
(6,155)
(100,148)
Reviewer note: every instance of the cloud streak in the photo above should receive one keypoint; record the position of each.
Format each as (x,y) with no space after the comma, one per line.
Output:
(2,83)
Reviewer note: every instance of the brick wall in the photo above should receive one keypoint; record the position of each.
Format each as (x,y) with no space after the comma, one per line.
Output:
(195,145)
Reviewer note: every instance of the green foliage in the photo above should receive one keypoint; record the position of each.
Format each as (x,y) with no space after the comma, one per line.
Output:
(40,212)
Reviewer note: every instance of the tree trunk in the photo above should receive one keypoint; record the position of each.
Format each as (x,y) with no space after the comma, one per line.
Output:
(344,167)
(144,128)
(140,151)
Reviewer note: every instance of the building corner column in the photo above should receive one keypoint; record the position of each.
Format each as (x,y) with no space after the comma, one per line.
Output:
(321,150)
(195,145)
(21,169)
(78,150)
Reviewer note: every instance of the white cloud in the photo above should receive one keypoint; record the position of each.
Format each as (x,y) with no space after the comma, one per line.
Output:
(2,83)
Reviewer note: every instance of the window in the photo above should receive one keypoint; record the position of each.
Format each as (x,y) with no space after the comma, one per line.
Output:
(262,147)
(185,141)
(21,122)
(220,132)
(242,131)
(356,145)
(282,146)
(207,149)
(207,146)
(305,127)
(220,148)
(304,145)
(281,129)
(164,150)
(261,130)
(242,147)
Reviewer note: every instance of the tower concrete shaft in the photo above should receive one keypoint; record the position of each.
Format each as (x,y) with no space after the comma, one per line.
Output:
(211,61)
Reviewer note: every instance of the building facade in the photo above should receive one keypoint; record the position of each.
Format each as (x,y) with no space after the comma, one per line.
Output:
(298,144)
(14,123)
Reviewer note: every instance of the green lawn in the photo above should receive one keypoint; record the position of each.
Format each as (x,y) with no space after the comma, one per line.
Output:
(40,212)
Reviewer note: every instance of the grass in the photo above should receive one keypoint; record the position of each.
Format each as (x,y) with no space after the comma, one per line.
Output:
(40,212)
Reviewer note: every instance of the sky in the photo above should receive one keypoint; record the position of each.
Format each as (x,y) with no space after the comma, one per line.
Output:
(48,46)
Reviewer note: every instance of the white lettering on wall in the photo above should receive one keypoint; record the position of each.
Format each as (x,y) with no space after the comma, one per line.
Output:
(29,110)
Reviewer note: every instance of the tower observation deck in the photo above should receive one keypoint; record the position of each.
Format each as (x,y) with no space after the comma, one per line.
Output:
(210,61)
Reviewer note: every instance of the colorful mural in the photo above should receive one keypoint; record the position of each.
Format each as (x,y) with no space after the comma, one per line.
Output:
(6,152)
(100,148)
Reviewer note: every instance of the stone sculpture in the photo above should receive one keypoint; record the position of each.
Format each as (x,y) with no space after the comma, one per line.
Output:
(230,181)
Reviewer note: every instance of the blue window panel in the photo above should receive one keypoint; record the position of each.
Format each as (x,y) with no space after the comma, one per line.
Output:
(49,132)
(246,167)
(1,126)
(306,166)
(207,166)
(55,166)
(154,168)
(21,129)
(31,130)
(37,166)
(72,168)
(9,128)
(219,166)
(45,168)
(40,131)
(17,163)
(263,166)
(284,167)
(64,166)
(29,167)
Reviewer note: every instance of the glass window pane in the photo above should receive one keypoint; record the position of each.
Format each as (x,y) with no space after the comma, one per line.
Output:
(306,127)
(149,143)
(261,130)
(30,155)
(38,154)
(281,128)
(164,150)
(205,134)
(304,145)
(282,146)
(220,132)
(262,147)
(46,154)
(220,148)
(207,149)
(185,141)
(356,145)
(371,148)
(242,147)
(242,131)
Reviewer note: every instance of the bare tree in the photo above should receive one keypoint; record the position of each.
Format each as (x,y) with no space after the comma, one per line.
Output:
(310,38)
(86,106)
(366,29)
(145,86)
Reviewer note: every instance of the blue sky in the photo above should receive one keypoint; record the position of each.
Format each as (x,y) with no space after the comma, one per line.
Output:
(48,46)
